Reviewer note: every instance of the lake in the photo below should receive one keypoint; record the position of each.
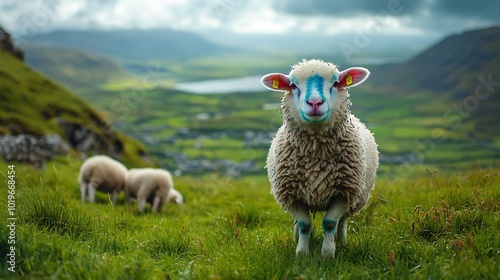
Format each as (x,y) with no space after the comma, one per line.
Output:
(241,84)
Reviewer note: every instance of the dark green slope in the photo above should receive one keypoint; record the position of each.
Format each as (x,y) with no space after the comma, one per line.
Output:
(452,65)
(33,104)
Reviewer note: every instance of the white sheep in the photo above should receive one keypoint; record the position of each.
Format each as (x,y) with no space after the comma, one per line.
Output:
(151,185)
(322,157)
(101,173)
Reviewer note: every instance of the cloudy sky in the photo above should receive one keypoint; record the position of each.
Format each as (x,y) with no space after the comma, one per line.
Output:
(406,17)
(260,16)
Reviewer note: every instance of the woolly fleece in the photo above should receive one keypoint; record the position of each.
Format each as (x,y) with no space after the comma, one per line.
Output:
(316,163)
(146,183)
(104,173)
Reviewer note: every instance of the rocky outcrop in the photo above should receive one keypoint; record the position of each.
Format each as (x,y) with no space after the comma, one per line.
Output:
(6,44)
(36,150)
(32,149)
(100,139)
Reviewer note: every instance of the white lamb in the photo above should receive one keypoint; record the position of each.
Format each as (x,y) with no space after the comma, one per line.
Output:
(151,185)
(322,157)
(101,173)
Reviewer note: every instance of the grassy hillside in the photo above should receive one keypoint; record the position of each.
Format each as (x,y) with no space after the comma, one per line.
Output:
(462,72)
(430,227)
(74,68)
(33,104)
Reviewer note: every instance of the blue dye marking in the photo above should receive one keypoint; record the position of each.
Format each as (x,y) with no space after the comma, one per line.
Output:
(304,228)
(314,82)
(294,80)
(329,226)
(333,79)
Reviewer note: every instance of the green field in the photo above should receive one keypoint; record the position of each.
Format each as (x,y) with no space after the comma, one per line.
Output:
(433,226)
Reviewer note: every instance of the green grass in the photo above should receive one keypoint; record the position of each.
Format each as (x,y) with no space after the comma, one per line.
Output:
(431,226)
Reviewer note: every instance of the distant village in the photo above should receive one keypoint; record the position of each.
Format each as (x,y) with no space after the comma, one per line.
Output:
(182,164)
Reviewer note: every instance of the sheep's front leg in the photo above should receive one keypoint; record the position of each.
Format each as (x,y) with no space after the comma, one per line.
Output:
(114,196)
(91,190)
(156,203)
(334,214)
(141,203)
(302,227)
(83,189)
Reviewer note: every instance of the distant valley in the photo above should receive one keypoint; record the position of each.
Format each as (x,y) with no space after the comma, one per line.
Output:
(411,107)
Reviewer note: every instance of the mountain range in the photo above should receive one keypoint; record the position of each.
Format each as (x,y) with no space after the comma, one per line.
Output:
(133,44)
(461,71)
(74,68)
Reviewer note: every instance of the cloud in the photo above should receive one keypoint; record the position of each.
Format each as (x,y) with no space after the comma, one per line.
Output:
(484,10)
(327,17)
(342,9)
(424,16)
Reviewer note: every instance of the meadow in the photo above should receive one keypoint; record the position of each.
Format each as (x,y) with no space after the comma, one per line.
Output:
(433,226)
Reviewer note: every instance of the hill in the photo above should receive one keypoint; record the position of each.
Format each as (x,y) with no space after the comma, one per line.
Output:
(35,107)
(74,68)
(453,70)
(133,44)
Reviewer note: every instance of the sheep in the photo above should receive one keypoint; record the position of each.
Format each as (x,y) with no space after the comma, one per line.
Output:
(151,185)
(322,157)
(101,173)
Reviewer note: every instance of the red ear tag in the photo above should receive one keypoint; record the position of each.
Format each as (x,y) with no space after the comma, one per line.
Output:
(276,82)
(348,80)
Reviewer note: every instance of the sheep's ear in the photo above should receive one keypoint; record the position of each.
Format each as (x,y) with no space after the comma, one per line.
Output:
(352,77)
(276,82)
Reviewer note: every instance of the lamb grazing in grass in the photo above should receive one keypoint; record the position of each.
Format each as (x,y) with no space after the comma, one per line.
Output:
(322,157)
(151,185)
(101,173)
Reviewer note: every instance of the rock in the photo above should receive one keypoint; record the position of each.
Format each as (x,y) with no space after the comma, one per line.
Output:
(6,44)
(88,141)
(32,149)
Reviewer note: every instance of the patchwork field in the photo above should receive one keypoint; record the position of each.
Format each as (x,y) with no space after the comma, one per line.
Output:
(239,127)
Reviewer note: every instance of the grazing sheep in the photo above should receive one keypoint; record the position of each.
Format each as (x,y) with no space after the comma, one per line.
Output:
(322,157)
(175,196)
(151,185)
(101,173)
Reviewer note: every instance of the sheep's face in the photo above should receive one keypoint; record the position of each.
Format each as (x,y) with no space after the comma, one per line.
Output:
(312,86)
(175,197)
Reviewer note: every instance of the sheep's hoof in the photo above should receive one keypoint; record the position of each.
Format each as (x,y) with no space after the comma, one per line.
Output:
(301,253)
(328,252)
(302,250)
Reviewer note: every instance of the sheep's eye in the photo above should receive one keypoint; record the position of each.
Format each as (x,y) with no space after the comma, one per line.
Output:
(293,86)
(335,84)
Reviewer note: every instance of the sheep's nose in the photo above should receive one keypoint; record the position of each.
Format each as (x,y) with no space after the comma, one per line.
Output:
(315,103)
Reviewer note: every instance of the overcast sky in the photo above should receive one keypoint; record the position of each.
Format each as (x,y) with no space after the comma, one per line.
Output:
(257,16)
(312,26)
